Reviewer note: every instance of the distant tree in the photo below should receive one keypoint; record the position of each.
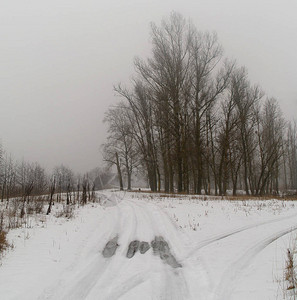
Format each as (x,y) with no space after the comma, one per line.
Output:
(270,125)
(64,178)
(32,180)
(194,119)
(111,157)
(9,184)
(121,149)
(85,190)
(226,132)
(291,155)
(52,188)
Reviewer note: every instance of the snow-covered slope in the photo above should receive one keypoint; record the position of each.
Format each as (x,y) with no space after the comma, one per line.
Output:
(223,249)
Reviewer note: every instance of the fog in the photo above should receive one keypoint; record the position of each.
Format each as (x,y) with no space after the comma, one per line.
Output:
(60,59)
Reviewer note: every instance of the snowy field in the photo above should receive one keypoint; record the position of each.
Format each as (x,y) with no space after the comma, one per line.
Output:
(223,249)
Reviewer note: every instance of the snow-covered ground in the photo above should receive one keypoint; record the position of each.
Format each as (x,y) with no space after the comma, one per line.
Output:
(226,249)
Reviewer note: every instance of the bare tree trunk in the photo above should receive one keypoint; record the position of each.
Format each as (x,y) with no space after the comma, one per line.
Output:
(119,171)
(52,191)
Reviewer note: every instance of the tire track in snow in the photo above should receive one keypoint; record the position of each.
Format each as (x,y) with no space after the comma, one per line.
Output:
(126,286)
(249,254)
(80,280)
(163,225)
(166,283)
(119,260)
(171,284)
(132,281)
(57,289)
(219,237)
(100,271)
(231,275)
(181,240)
(176,285)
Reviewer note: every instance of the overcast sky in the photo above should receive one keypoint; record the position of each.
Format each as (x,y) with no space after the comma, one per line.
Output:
(60,59)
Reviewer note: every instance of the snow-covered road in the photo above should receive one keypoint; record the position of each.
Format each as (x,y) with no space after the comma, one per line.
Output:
(230,258)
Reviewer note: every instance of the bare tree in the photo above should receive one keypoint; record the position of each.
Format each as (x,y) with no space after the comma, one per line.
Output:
(32,180)
(291,154)
(193,117)
(8,184)
(51,194)
(85,190)
(226,129)
(246,98)
(141,118)
(64,179)
(111,157)
(121,140)
(270,134)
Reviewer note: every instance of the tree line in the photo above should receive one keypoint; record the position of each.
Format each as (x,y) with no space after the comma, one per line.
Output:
(193,122)
(24,181)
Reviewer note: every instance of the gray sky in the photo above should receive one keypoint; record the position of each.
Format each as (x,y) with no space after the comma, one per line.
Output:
(60,59)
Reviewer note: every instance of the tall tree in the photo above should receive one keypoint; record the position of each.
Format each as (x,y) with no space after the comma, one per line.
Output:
(196,121)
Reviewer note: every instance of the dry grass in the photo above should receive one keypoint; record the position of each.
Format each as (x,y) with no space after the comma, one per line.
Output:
(290,274)
(3,242)
(266,197)
(213,197)
(67,212)
(35,206)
